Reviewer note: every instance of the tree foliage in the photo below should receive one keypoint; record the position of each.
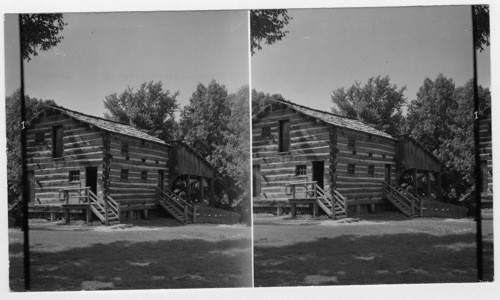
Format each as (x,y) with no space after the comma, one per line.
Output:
(260,100)
(13,126)
(217,126)
(482,26)
(267,26)
(40,31)
(378,102)
(150,108)
(441,118)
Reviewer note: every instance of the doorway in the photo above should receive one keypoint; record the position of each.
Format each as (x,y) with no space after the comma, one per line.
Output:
(91,178)
(388,174)
(318,173)
(161,177)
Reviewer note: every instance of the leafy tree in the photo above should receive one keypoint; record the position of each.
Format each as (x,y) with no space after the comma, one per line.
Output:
(378,102)
(150,108)
(40,31)
(14,159)
(260,100)
(205,120)
(235,150)
(482,26)
(441,119)
(267,26)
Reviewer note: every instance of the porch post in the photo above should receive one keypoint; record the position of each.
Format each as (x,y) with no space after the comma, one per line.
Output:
(188,188)
(429,190)
(415,182)
(202,189)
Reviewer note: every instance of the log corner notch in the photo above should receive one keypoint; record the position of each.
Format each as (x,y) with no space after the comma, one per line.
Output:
(414,158)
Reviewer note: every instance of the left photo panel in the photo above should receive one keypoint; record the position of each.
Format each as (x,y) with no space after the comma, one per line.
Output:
(132,129)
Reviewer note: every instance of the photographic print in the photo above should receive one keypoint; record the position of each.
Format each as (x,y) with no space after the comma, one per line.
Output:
(136,150)
(363,149)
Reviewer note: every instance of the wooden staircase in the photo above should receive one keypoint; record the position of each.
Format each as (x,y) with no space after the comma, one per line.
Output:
(175,206)
(314,194)
(107,209)
(325,203)
(403,201)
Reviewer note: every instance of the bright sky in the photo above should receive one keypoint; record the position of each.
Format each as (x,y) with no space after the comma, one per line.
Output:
(327,49)
(103,53)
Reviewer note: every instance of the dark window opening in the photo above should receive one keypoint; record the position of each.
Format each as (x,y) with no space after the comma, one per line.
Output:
(124,174)
(284,136)
(124,150)
(351,143)
(266,132)
(371,170)
(74,175)
(351,169)
(57,141)
(370,154)
(354,152)
(40,138)
(383,156)
(144,175)
(300,170)
(143,160)
(157,162)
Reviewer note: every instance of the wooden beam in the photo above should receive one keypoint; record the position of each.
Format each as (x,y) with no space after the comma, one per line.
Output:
(415,182)
(429,190)
(202,189)
(188,188)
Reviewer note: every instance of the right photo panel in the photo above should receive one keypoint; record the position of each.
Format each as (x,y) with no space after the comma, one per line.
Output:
(368,146)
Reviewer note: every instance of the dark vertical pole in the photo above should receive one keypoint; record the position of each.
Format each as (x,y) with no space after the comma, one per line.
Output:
(477,167)
(26,245)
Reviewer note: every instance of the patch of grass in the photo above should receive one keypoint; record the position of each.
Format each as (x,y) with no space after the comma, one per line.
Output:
(381,259)
(190,263)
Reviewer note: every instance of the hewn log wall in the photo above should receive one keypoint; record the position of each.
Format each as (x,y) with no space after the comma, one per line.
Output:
(362,188)
(142,156)
(82,148)
(309,141)
(486,157)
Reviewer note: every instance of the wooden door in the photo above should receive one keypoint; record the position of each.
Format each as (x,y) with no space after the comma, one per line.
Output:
(318,173)
(91,178)
(57,141)
(161,178)
(284,136)
(388,173)
(256,181)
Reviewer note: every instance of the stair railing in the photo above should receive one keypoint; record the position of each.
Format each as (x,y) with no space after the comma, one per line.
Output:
(413,202)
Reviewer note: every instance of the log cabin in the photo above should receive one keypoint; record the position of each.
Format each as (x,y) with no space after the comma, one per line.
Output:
(81,164)
(319,162)
(486,160)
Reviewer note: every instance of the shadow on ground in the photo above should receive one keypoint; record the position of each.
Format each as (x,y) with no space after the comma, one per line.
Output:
(383,259)
(190,263)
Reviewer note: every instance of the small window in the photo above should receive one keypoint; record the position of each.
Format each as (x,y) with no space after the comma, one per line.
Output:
(266,132)
(144,175)
(371,170)
(300,170)
(143,160)
(124,150)
(351,169)
(124,174)
(370,154)
(40,138)
(351,143)
(383,156)
(157,162)
(74,175)
(354,152)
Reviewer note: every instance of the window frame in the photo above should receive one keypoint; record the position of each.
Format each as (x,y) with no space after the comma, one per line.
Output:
(74,175)
(283,144)
(301,170)
(144,176)
(371,170)
(351,143)
(265,132)
(124,175)
(40,137)
(57,141)
(351,169)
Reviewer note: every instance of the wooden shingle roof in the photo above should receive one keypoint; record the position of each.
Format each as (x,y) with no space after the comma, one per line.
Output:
(330,118)
(108,125)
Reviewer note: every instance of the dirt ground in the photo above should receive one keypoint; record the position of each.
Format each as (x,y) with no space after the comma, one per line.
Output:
(152,254)
(378,249)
